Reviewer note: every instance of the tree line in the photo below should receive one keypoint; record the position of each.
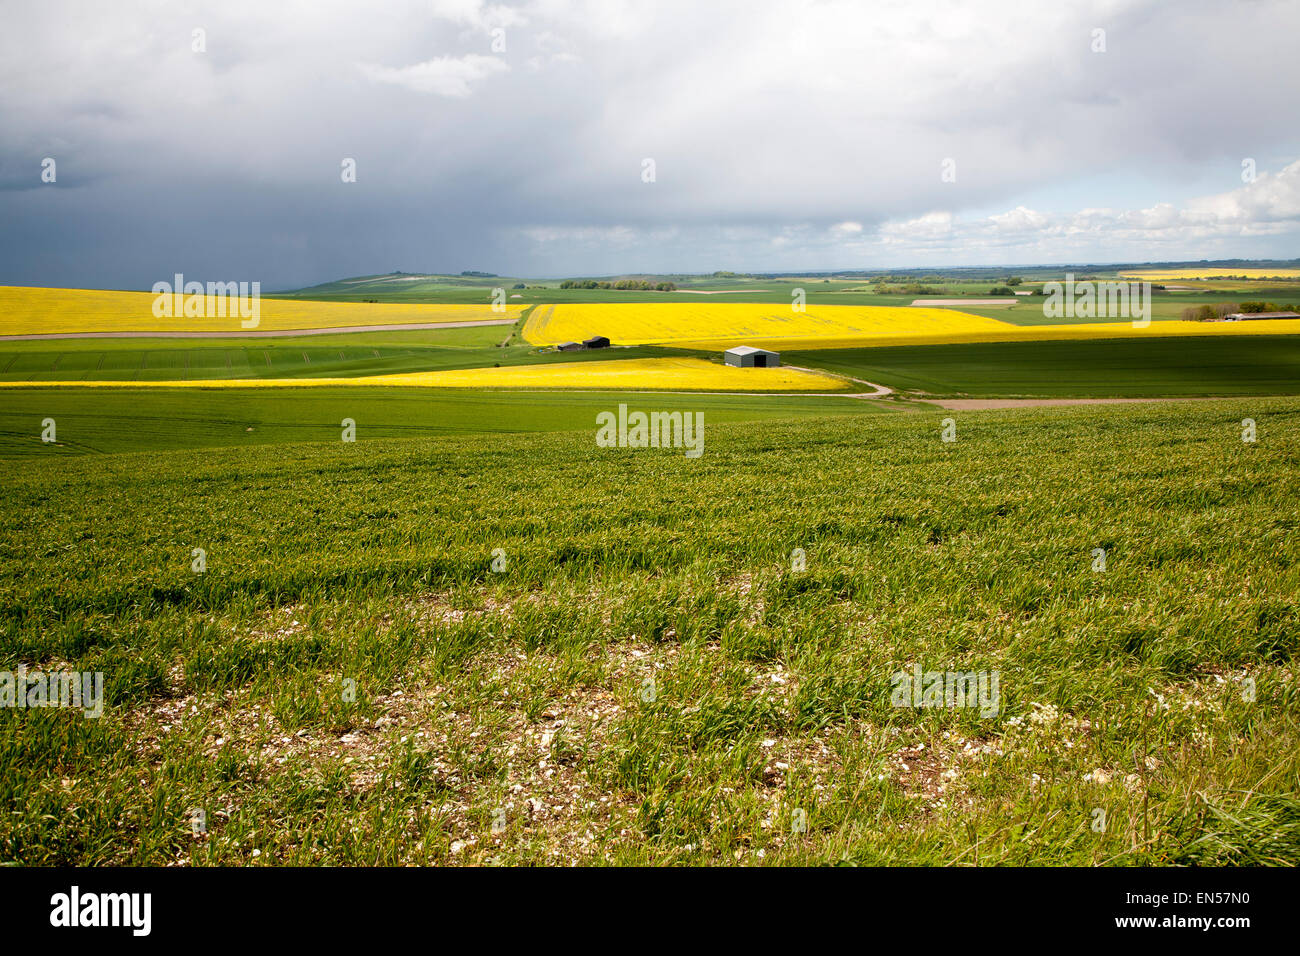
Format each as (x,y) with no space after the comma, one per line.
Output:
(637,285)
(1205,313)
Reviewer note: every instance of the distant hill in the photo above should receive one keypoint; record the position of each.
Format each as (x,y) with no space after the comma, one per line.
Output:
(474,286)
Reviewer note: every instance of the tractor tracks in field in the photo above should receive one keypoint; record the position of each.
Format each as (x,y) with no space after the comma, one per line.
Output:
(878,391)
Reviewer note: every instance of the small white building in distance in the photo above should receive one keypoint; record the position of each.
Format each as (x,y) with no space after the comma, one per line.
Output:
(745,356)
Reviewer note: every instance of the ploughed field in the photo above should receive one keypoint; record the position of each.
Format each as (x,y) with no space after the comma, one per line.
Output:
(527,648)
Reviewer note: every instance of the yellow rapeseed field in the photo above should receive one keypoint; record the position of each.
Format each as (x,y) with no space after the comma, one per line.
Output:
(1156,275)
(722,325)
(34,311)
(776,326)
(667,374)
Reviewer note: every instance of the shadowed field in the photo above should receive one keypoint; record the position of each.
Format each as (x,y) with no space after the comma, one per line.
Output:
(1108,368)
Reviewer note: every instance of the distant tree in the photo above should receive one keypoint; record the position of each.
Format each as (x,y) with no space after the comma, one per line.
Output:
(1014,280)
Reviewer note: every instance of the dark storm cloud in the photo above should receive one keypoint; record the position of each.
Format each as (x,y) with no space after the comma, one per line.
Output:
(784,135)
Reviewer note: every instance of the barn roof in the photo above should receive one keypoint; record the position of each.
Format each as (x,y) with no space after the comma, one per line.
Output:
(747,350)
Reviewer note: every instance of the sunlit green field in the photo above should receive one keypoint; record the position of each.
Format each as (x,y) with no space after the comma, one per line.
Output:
(523,648)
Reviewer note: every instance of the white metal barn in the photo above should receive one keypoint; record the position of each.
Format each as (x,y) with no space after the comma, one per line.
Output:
(746,356)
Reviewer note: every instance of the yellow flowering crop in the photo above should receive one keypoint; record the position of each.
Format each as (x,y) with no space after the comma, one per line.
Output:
(1192,272)
(722,325)
(668,374)
(31,311)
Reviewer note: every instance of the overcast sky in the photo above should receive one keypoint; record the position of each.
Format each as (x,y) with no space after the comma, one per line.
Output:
(784,136)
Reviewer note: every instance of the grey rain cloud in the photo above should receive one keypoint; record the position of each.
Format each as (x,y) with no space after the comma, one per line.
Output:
(510,137)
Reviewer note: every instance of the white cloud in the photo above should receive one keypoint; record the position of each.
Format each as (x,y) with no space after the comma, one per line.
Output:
(477,14)
(1019,221)
(1269,199)
(443,75)
(931,227)
(1270,206)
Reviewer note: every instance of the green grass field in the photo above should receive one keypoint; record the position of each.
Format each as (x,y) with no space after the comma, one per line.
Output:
(117,420)
(679,661)
(1181,366)
(1101,368)
(650,677)
(343,356)
(819,290)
